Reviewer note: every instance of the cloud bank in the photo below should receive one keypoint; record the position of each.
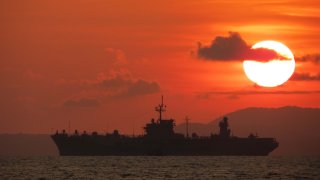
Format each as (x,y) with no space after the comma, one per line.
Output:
(83,102)
(237,94)
(96,92)
(315,58)
(232,48)
(127,87)
(305,77)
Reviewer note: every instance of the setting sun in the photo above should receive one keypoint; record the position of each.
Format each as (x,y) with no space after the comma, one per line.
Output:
(274,72)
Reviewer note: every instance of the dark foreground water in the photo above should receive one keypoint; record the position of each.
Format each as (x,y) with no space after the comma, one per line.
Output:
(159,167)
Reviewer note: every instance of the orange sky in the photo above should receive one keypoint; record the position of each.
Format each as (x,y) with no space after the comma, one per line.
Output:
(104,64)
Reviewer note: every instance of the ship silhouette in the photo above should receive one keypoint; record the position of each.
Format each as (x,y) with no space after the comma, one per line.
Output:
(160,139)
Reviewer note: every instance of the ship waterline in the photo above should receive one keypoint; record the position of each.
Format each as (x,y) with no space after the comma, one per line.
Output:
(160,139)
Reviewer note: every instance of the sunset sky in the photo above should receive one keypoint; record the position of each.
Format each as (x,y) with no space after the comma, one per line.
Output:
(103,65)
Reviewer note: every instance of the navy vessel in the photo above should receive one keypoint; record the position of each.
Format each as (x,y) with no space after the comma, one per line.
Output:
(160,139)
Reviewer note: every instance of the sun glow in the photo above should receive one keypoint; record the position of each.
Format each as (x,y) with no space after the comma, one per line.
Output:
(274,72)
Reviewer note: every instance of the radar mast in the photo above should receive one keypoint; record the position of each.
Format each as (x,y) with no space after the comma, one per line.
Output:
(161,108)
(187,126)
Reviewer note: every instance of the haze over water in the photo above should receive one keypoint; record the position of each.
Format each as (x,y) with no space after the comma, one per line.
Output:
(172,167)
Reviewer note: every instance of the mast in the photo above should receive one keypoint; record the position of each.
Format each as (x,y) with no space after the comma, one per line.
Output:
(161,108)
(133,128)
(69,127)
(187,126)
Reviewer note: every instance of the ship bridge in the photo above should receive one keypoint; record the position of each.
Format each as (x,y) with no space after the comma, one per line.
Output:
(161,128)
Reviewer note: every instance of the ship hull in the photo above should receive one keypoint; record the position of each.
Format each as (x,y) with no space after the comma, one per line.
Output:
(140,146)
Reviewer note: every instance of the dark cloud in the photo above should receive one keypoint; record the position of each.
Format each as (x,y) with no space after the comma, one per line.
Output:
(142,87)
(309,58)
(233,47)
(82,103)
(304,77)
(115,82)
(108,88)
(127,87)
(236,94)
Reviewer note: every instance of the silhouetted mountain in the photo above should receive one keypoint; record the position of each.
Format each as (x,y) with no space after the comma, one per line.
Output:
(296,129)
(26,145)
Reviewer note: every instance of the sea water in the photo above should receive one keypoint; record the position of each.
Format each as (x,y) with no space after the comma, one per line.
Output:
(167,167)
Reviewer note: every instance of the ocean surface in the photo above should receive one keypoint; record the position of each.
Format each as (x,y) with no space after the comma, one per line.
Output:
(172,167)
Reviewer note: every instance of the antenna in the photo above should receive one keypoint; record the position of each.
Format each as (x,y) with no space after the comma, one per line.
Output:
(161,99)
(107,126)
(187,126)
(133,128)
(69,127)
(161,108)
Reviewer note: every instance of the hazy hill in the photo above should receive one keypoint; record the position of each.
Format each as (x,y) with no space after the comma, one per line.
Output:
(27,145)
(296,129)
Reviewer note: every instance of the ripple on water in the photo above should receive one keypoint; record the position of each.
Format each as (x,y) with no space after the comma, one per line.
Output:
(159,167)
